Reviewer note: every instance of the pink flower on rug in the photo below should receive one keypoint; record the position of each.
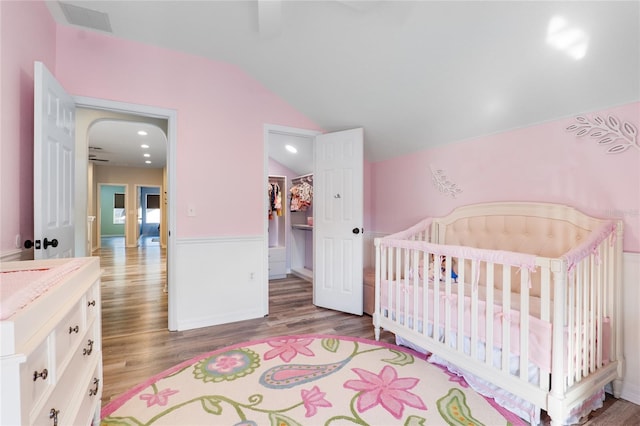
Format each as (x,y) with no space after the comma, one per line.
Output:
(226,363)
(160,398)
(313,399)
(287,349)
(385,389)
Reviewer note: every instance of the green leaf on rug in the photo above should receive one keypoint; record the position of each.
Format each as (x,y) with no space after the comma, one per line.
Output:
(331,344)
(401,358)
(120,421)
(415,421)
(211,405)
(278,419)
(454,409)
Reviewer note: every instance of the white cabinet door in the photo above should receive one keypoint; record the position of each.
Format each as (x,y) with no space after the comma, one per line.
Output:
(338,221)
(53,167)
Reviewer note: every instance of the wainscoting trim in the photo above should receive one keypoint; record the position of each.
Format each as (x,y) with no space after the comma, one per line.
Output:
(219,280)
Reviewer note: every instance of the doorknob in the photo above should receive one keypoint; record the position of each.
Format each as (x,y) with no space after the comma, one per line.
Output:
(53,243)
(28,244)
(357,231)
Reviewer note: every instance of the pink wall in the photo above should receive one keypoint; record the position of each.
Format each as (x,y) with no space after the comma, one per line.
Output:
(538,163)
(221,112)
(27,33)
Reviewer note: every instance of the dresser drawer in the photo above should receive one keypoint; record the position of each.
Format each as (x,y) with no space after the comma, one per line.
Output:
(56,407)
(277,269)
(92,301)
(277,254)
(36,375)
(90,398)
(68,334)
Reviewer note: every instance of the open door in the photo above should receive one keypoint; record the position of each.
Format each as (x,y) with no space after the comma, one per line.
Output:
(338,220)
(53,168)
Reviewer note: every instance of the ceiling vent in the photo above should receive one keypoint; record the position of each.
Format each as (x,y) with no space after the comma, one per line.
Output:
(84,17)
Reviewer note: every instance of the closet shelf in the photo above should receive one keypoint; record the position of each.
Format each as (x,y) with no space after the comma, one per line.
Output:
(303,227)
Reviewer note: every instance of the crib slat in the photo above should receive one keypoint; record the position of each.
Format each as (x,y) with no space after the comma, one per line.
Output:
(425,295)
(488,345)
(506,311)
(460,328)
(524,323)
(473,324)
(570,330)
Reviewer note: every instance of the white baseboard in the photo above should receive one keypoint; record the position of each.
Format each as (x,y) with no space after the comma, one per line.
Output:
(17,255)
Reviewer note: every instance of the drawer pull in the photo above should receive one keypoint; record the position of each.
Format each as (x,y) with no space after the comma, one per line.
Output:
(74,329)
(93,392)
(53,414)
(88,351)
(43,375)
(92,303)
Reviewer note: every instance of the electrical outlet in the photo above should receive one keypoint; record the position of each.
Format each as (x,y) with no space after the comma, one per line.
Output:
(191,210)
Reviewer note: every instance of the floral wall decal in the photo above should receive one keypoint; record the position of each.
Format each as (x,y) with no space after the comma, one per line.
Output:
(443,184)
(619,135)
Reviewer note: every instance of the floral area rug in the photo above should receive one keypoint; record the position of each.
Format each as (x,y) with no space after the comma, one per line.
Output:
(306,380)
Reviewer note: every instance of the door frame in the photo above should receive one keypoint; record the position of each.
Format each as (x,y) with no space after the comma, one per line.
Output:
(138,190)
(270,129)
(82,166)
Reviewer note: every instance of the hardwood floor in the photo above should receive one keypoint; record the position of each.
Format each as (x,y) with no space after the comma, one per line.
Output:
(137,344)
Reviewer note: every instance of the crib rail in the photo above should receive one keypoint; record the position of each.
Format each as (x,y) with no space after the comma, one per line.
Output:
(484,320)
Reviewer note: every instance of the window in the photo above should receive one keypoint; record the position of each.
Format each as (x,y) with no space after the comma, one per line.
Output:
(118,209)
(153,208)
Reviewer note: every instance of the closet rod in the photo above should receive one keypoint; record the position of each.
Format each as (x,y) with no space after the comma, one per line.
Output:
(308,177)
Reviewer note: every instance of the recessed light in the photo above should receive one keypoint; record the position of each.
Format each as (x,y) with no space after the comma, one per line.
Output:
(142,133)
(147,155)
(144,146)
(148,162)
(291,149)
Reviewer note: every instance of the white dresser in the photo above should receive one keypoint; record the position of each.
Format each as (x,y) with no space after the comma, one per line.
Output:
(277,263)
(51,359)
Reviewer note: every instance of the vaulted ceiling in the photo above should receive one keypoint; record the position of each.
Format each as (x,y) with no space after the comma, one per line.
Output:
(414,74)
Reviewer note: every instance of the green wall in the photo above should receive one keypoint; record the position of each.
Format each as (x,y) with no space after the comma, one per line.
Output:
(107,228)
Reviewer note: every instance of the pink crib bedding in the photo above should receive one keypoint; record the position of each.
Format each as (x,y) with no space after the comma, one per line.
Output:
(19,288)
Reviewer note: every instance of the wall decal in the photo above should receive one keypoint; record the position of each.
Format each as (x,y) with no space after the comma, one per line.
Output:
(441,182)
(620,136)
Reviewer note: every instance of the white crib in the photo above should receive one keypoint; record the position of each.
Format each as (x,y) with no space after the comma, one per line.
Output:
(540,282)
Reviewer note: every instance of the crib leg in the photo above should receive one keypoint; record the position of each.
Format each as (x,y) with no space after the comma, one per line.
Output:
(617,388)
(376,326)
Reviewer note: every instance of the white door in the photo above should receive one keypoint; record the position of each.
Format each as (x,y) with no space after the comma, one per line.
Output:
(338,221)
(53,167)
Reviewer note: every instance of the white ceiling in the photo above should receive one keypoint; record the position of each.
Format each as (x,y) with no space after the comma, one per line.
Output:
(117,143)
(414,74)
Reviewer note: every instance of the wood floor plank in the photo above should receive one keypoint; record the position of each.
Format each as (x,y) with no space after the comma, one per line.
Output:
(137,344)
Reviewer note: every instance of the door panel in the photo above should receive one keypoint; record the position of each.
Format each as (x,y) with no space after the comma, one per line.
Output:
(53,167)
(338,211)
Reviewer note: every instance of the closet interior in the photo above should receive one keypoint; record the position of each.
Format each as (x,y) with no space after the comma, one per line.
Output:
(301,209)
(277,226)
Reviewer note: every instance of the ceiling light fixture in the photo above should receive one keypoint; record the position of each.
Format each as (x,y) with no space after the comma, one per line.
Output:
(291,149)
(142,133)
(567,38)
(147,155)
(148,162)
(144,146)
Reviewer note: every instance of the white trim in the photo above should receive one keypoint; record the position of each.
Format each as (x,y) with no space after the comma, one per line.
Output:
(172,139)
(631,296)
(221,280)
(17,255)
